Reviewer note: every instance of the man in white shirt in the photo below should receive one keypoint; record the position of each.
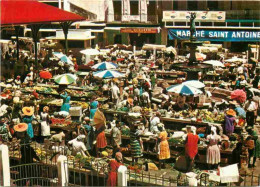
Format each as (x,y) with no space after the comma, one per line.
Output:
(154,121)
(78,147)
(146,99)
(115,93)
(240,70)
(251,109)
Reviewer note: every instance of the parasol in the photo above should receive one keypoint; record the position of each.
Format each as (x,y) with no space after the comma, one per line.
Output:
(107,74)
(239,96)
(90,52)
(214,63)
(105,65)
(182,89)
(45,75)
(194,83)
(63,58)
(99,119)
(65,79)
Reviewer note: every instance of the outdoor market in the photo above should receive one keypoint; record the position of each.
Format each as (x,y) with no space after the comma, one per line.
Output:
(172,116)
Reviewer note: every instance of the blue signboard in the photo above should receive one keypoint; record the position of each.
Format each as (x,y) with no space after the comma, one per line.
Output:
(213,35)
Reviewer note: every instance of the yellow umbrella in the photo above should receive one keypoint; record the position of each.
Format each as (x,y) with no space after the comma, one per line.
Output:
(99,119)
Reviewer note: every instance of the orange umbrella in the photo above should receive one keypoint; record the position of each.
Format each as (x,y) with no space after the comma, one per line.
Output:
(99,119)
(45,75)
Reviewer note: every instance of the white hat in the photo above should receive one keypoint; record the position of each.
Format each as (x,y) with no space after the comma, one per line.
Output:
(96,58)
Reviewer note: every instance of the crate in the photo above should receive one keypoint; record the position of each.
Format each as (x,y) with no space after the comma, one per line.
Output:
(76,111)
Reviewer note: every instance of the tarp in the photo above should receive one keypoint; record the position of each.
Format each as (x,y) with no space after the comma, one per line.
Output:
(17,12)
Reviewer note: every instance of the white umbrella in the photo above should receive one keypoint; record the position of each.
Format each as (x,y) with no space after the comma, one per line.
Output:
(194,83)
(171,49)
(214,63)
(182,89)
(235,59)
(63,58)
(107,74)
(105,65)
(90,52)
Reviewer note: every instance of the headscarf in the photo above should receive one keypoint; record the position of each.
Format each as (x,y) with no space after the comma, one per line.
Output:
(214,130)
(119,156)
(193,129)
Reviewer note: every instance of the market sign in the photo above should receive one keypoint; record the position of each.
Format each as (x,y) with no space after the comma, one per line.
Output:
(216,16)
(140,30)
(213,35)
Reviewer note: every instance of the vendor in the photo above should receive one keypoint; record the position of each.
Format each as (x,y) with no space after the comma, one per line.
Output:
(45,123)
(116,137)
(66,102)
(180,105)
(136,143)
(213,151)
(251,111)
(78,146)
(256,151)
(113,169)
(115,93)
(154,121)
(89,133)
(230,118)
(93,107)
(164,149)
(191,147)
(4,137)
(28,118)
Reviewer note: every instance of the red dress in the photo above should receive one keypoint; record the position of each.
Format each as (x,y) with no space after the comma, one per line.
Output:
(112,176)
(101,140)
(191,146)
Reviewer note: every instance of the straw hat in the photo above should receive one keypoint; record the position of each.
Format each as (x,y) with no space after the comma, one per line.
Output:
(234,102)
(20,127)
(130,100)
(231,112)
(28,111)
(46,108)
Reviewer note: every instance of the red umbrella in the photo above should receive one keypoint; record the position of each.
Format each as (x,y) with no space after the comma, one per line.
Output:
(239,96)
(45,75)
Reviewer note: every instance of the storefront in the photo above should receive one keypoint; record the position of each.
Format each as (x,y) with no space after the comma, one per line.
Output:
(236,40)
(132,35)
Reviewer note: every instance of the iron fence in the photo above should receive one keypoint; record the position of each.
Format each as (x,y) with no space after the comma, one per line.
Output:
(84,171)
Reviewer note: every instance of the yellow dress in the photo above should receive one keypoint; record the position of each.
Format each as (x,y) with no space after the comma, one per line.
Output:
(164,152)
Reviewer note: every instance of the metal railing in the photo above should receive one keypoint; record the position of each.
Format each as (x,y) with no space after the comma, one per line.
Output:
(86,171)
(243,14)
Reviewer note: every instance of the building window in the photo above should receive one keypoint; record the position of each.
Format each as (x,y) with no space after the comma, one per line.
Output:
(134,8)
(192,5)
(212,5)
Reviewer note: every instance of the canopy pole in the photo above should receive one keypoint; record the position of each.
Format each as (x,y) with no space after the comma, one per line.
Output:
(17,29)
(35,30)
(65,27)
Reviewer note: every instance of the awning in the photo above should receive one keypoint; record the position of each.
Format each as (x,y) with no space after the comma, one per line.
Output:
(18,12)
(71,38)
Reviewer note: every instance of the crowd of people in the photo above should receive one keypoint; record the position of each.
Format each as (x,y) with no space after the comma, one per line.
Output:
(136,93)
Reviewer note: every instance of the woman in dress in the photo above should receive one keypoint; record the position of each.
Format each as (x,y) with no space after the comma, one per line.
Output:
(113,168)
(101,139)
(28,118)
(136,144)
(213,152)
(45,126)
(93,108)
(164,149)
(66,102)
(229,122)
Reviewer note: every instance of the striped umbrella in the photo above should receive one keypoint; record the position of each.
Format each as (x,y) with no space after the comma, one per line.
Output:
(194,83)
(65,79)
(63,58)
(107,74)
(183,89)
(105,65)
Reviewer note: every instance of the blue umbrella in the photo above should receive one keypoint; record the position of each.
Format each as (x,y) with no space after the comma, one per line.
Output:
(105,65)
(107,74)
(182,89)
(240,112)
(63,58)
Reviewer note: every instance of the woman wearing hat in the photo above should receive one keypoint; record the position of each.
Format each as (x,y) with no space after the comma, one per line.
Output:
(45,126)
(28,118)
(230,118)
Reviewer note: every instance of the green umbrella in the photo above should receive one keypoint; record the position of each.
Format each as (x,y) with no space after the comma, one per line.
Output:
(65,79)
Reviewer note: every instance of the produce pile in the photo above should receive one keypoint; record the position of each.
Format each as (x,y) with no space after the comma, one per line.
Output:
(77,93)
